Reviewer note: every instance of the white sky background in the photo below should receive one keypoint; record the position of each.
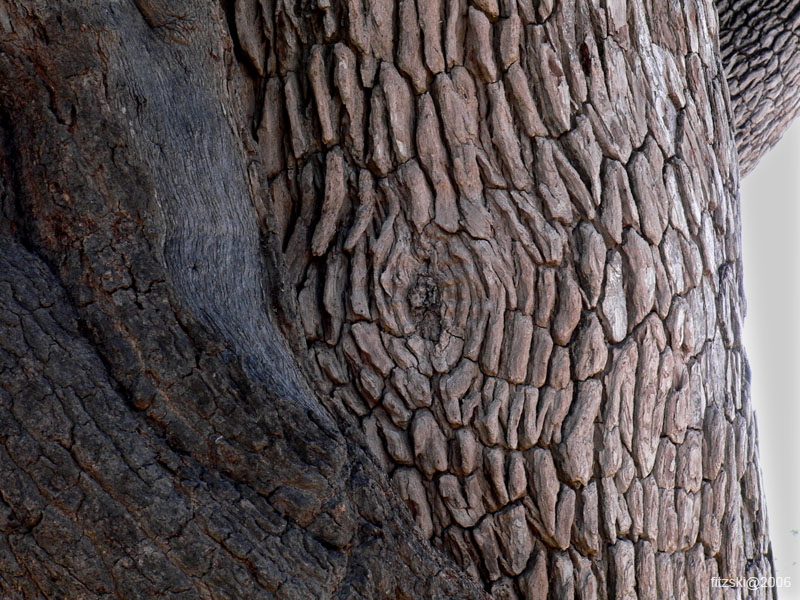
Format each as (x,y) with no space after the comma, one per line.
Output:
(770,198)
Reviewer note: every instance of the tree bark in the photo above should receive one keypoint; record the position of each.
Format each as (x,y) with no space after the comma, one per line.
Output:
(371,299)
(761,54)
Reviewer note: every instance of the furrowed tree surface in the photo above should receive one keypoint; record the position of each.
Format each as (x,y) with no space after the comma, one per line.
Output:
(432,299)
(759,44)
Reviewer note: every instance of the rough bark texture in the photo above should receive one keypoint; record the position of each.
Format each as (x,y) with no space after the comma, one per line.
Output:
(761,52)
(371,299)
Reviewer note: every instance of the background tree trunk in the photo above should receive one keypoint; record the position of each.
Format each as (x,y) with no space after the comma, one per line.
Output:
(312,299)
(759,47)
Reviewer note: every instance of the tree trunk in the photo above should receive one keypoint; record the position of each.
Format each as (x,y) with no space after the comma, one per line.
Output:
(761,54)
(371,299)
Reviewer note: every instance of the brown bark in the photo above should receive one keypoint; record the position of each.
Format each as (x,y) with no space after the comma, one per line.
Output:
(310,301)
(761,53)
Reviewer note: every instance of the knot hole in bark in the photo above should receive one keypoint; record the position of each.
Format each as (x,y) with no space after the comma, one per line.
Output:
(425,301)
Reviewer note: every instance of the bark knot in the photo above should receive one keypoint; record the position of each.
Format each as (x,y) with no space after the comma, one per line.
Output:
(425,301)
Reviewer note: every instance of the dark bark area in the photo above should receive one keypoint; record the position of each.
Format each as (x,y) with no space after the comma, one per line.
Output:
(151,415)
(102,501)
(314,300)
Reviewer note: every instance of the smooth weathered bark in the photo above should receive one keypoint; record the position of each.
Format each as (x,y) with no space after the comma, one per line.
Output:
(312,301)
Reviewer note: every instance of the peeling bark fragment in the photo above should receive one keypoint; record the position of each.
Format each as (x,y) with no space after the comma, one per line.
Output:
(583,148)
(565,516)
(623,569)
(516,353)
(509,40)
(413,386)
(455,31)
(550,184)
(494,467)
(465,452)
(346,80)
(522,99)
(648,199)
(690,463)
(581,198)
(546,292)
(420,196)
(634,499)
(557,403)
(368,339)
(380,160)
(530,424)
(489,7)
(648,409)
(563,578)
(486,541)
(620,385)
(410,488)
(318,76)
(541,347)
(397,443)
(592,252)
(667,522)
(568,312)
(332,297)
(400,109)
(575,453)
(664,290)
(380,25)
(434,161)
(374,443)
(462,511)
(587,521)
(515,539)
(646,586)
(430,445)
(559,376)
(517,477)
(534,581)
(431,16)
(613,310)
(271,129)
(689,518)
(409,51)
(610,457)
(454,386)
(650,492)
(249,31)
(504,136)
(552,88)
(616,202)
(589,352)
(332,203)
(713,442)
(639,277)
(480,40)
(665,466)
(297,120)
